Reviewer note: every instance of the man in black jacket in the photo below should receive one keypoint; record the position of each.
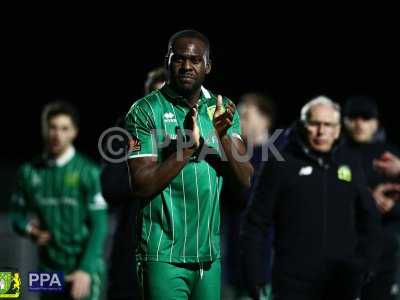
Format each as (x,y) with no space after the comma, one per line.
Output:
(325,220)
(365,141)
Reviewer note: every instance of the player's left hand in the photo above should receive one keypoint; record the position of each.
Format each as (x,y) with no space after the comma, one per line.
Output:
(80,284)
(190,125)
(223,120)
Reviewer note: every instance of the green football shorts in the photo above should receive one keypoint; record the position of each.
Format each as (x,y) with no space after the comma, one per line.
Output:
(168,281)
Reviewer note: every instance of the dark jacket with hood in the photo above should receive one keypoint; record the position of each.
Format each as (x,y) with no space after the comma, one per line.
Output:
(324,217)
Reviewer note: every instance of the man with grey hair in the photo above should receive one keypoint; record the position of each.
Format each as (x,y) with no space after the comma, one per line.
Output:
(324,217)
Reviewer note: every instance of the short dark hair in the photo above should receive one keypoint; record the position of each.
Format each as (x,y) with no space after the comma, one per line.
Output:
(59,108)
(264,104)
(154,76)
(361,106)
(189,33)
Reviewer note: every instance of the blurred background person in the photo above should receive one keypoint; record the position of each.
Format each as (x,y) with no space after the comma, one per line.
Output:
(325,219)
(122,277)
(366,141)
(59,205)
(155,80)
(257,117)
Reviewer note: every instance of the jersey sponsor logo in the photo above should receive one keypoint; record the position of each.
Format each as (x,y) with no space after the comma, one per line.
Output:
(10,284)
(72,179)
(48,282)
(48,201)
(134,145)
(69,201)
(169,117)
(305,171)
(344,173)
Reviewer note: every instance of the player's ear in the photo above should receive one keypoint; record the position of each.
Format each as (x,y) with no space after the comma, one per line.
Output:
(337,133)
(166,62)
(208,66)
(75,133)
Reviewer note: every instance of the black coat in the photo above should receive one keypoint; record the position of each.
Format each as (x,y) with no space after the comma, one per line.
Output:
(364,154)
(324,217)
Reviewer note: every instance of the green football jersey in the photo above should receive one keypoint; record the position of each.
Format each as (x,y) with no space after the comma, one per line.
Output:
(182,223)
(64,196)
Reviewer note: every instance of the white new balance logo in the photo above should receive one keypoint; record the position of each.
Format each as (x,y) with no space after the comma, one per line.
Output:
(305,171)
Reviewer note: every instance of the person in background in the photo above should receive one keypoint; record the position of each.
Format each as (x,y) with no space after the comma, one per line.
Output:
(59,205)
(325,220)
(257,115)
(122,278)
(155,80)
(365,140)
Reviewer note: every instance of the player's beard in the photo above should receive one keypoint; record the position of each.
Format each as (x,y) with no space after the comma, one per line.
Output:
(187,90)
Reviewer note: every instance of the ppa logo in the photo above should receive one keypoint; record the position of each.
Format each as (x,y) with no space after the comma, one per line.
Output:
(46,282)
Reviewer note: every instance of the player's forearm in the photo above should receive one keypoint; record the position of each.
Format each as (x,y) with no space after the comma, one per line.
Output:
(20,223)
(240,166)
(95,245)
(150,181)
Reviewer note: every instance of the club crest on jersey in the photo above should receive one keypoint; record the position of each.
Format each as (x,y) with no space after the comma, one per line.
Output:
(344,173)
(211,111)
(72,179)
(134,145)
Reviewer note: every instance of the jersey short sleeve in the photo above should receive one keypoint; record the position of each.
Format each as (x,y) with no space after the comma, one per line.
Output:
(93,189)
(139,122)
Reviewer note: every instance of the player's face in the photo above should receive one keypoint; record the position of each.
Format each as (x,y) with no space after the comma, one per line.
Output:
(60,134)
(187,65)
(361,130)
(323,127)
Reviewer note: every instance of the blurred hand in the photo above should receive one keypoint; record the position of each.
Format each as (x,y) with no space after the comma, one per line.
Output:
(388,164)
(190,125)
(41,237)
(223,120)
(385,195)
(80,284)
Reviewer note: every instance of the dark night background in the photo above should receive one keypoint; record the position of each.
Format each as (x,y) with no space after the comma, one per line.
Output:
(101,65)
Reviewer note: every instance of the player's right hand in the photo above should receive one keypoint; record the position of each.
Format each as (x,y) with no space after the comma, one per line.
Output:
(190,125)
(41,237)
(80,284)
